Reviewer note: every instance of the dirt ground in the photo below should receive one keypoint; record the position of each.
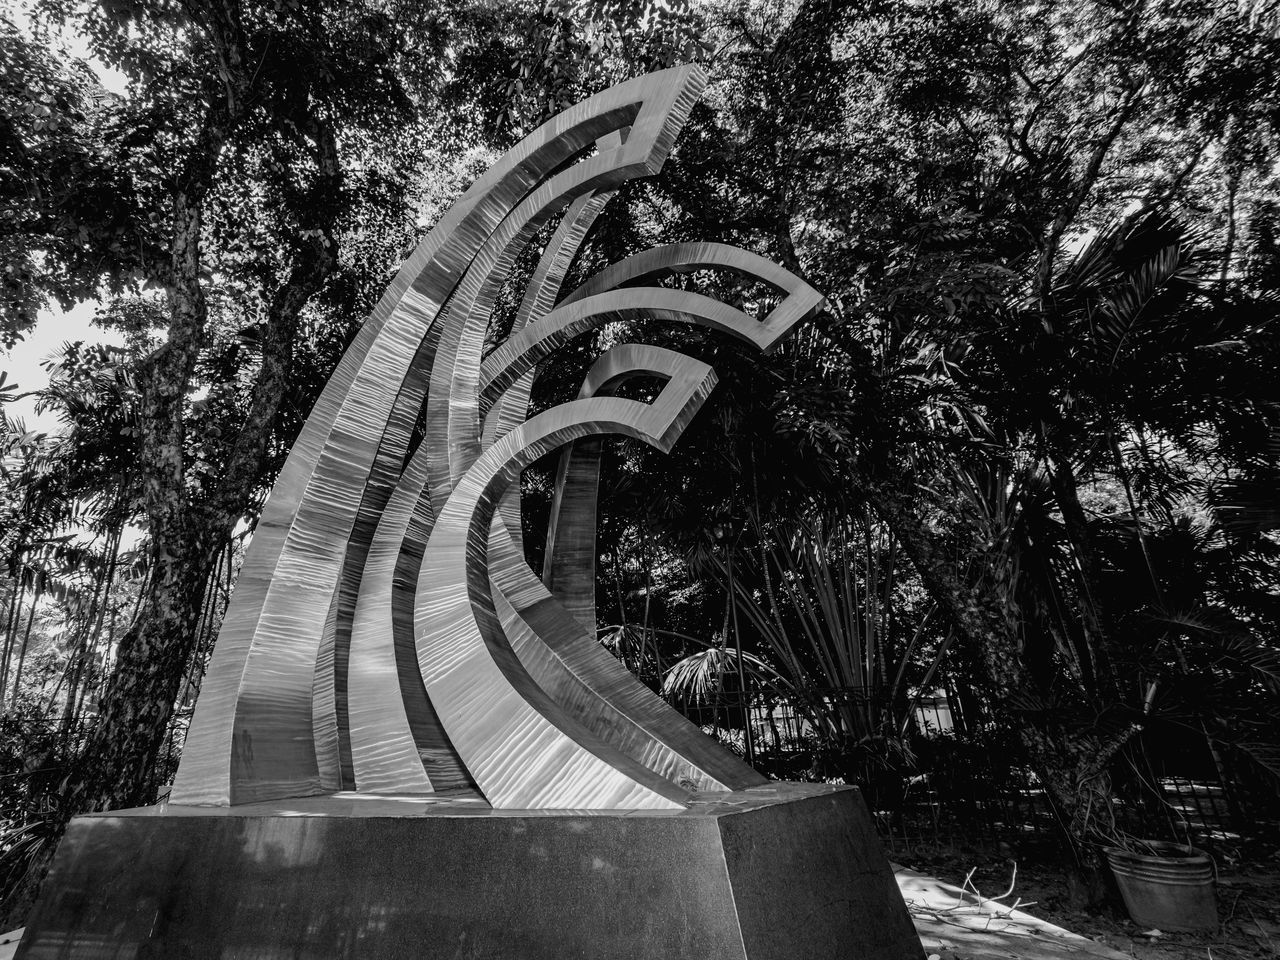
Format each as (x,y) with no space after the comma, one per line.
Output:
(1248,904)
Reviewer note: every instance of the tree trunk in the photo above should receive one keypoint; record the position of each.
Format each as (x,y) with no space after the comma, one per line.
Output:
(11,625)
(117,768)
(1092,652)
(26,640)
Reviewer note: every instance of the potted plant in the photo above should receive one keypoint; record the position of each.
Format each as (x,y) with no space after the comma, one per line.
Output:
(1165,885)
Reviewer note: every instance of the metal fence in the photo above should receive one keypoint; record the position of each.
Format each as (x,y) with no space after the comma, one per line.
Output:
(971,789)
(951,789)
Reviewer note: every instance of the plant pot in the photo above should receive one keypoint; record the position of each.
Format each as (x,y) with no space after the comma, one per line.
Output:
(1171,889)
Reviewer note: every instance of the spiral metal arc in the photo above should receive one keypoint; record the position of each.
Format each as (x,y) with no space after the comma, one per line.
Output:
(386,634)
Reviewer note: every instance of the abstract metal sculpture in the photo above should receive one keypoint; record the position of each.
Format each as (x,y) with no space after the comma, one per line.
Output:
(386,634)
(408,745)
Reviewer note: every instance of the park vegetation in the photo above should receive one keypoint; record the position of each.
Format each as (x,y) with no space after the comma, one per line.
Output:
(1029,457)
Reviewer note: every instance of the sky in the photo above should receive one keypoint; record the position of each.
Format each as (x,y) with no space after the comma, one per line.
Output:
(23,363)
(54,326)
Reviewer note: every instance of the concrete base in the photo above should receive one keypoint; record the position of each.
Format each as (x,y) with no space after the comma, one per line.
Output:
(782,872)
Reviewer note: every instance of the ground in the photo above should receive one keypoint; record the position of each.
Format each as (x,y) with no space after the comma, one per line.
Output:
(1248,905)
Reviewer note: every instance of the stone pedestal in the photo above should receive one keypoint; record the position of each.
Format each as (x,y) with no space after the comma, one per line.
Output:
(781,872)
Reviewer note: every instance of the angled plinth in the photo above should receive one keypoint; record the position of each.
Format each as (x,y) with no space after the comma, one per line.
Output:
(780,872)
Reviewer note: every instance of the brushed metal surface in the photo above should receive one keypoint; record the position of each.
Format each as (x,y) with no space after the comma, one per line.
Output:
(386,634)
(538,300)
(252,736)
(521,748)
(388,753)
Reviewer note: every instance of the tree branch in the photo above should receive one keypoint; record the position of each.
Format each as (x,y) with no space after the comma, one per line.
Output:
(315,261)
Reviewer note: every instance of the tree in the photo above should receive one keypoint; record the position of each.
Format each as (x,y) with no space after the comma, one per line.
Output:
(254,143)
(1022,133)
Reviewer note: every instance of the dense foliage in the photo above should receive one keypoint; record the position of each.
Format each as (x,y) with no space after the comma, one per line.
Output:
(1027,459)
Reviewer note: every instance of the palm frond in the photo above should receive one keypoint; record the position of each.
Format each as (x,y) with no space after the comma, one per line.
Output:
(699,677)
